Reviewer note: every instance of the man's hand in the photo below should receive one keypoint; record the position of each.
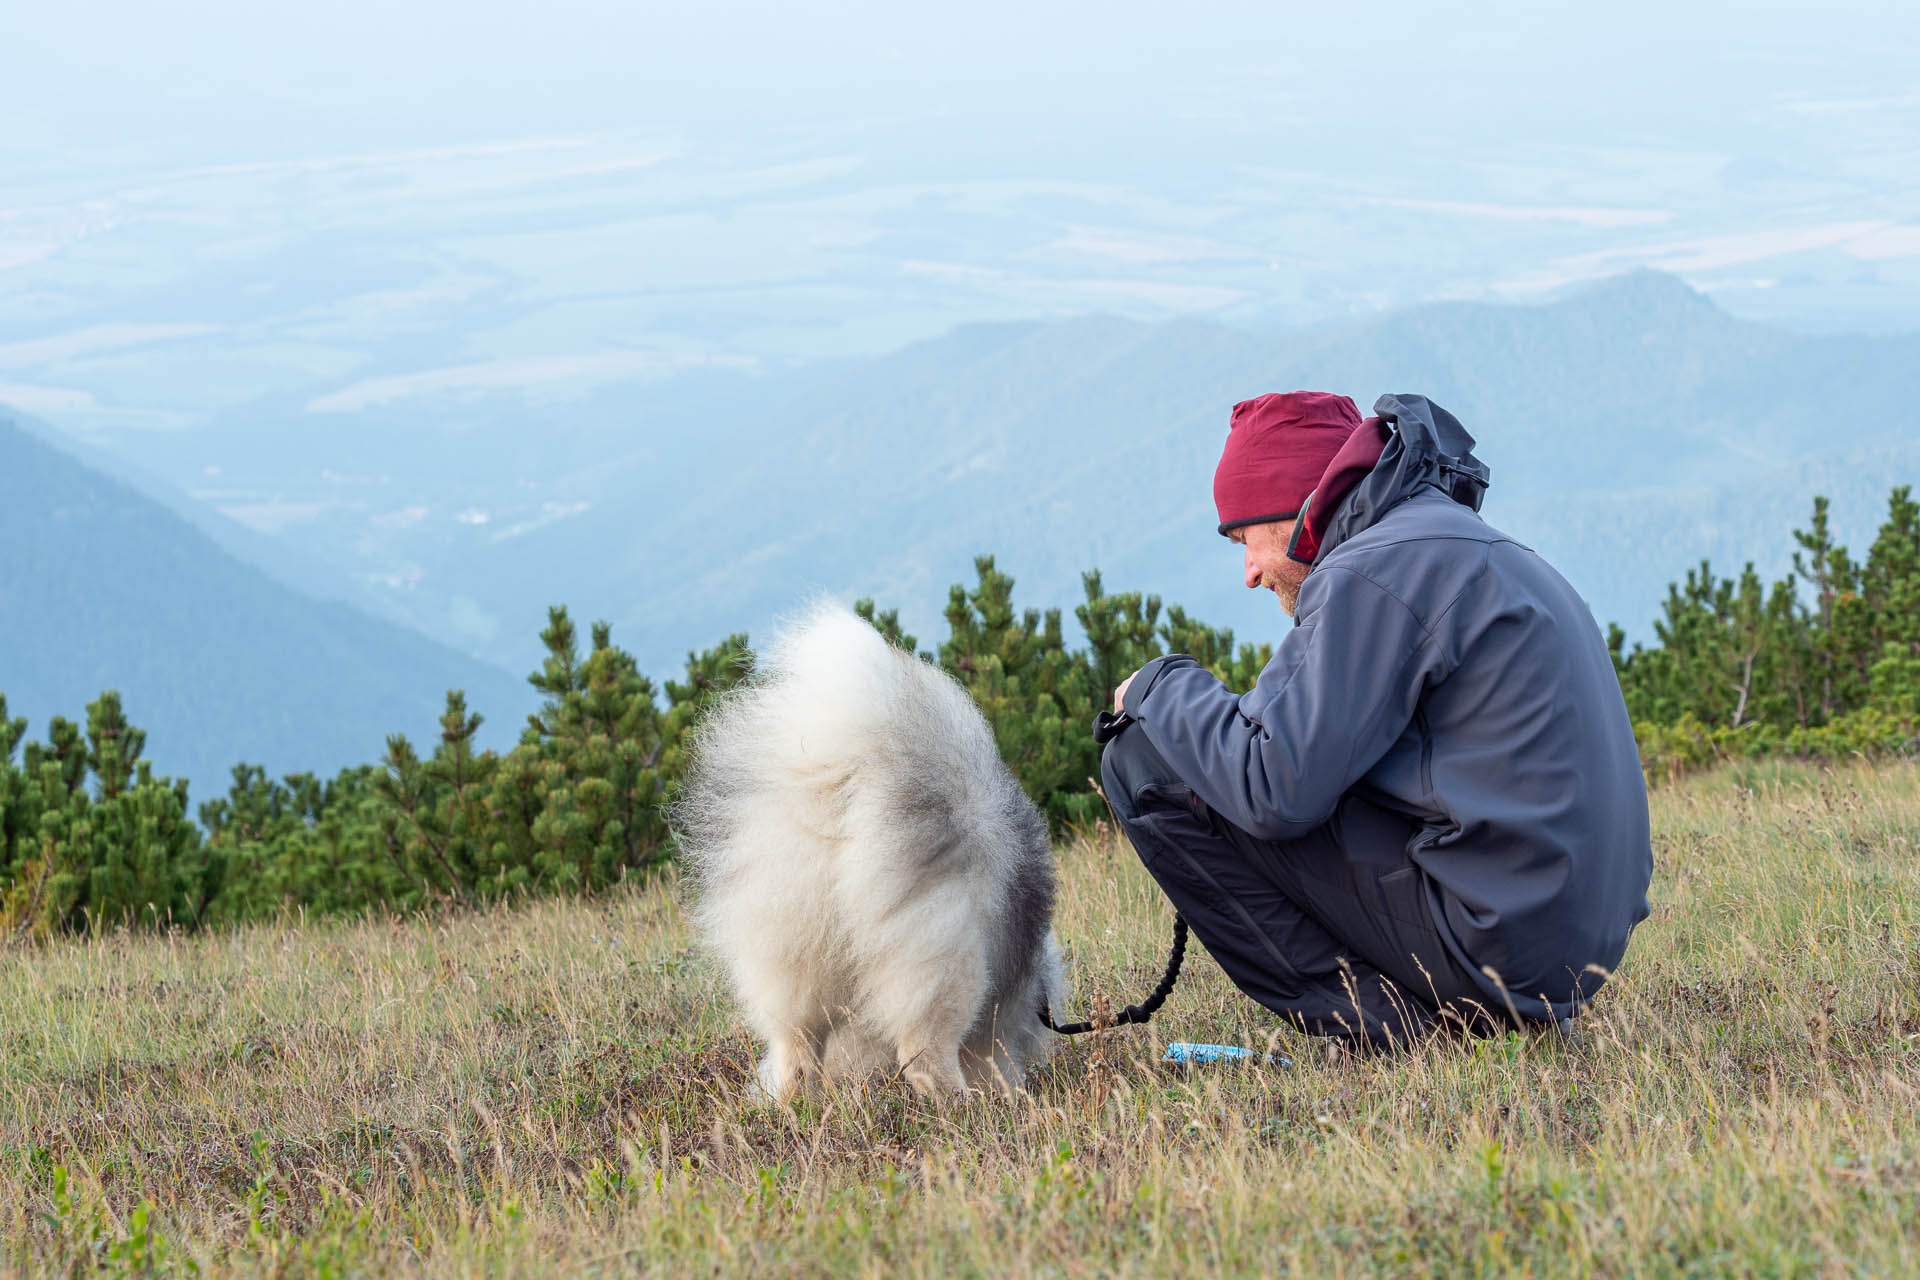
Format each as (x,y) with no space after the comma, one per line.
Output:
(1119,695)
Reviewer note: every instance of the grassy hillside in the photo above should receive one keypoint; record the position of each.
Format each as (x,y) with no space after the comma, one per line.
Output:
(560,1088)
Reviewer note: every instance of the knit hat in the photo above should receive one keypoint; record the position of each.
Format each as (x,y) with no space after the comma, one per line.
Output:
(1278,447)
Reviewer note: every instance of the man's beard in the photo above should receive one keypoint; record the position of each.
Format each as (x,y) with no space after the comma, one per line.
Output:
(1287,589)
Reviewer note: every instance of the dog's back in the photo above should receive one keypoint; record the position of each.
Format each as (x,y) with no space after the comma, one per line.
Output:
(876,882)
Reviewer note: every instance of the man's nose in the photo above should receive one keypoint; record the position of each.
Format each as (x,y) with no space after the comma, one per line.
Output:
(1252,574)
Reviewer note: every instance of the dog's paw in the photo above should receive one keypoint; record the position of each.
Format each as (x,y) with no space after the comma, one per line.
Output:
(772,1082)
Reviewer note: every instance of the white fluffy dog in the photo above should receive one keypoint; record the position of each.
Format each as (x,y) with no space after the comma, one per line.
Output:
(877,884)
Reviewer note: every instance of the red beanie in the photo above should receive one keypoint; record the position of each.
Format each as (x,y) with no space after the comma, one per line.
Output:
(1278,446)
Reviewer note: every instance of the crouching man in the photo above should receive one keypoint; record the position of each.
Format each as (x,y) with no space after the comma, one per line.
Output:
(1429,807)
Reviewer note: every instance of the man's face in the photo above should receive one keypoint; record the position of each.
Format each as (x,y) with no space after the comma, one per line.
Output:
(1267,562)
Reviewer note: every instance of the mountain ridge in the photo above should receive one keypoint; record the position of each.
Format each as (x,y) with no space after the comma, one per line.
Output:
(1623,423)
(103,588)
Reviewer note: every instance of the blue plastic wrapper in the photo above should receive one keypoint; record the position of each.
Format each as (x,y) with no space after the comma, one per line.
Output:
(1194,1054)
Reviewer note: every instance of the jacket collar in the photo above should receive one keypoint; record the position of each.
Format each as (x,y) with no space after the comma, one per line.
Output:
(1409,444)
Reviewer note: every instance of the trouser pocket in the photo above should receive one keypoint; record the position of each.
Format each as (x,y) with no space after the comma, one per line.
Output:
(1403,896)
(1410,914)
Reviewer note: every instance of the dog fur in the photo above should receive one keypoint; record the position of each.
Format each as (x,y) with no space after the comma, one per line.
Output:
(879,888)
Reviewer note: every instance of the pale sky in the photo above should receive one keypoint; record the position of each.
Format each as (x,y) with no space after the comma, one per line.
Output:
(218,209)
(222,81)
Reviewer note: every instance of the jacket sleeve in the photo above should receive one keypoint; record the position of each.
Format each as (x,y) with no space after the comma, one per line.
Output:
(1276,760)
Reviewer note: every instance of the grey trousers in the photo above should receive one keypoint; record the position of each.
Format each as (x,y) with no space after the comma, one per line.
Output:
(1332,931)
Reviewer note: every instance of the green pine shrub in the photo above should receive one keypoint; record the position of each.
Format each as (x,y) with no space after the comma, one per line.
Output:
(1821,665)
(91,836)
(300,842)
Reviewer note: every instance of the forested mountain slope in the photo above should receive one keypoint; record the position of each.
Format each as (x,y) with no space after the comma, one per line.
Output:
(102,588)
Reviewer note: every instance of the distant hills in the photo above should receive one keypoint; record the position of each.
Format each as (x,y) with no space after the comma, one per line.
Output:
(101,587)
(1631,428)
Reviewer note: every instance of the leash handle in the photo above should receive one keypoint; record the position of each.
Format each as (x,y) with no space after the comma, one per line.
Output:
(1134,1013)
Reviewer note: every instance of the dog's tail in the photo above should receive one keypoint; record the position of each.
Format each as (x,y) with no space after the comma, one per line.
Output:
(829,695)
(836,687)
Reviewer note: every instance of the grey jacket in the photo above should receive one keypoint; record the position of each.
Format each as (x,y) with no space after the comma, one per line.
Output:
(1448,673)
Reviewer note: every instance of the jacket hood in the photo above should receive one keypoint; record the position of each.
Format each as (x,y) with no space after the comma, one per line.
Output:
(1426,447)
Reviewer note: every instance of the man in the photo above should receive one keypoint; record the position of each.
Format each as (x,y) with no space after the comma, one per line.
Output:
(1429,806)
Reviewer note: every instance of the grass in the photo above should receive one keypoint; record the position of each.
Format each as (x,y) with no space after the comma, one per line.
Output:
(559,1088)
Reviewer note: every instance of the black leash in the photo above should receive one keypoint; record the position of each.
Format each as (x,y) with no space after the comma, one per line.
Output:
(1106,727)
(1146,1008)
